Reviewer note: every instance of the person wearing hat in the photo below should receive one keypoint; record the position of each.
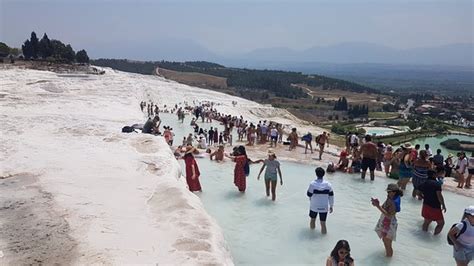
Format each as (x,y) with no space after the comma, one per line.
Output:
(192,170)
(386,227)
(462,237)
(406,166)
(271,174)
(433,203)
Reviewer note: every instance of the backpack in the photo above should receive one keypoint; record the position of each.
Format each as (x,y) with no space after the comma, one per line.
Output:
(463,229)
(318,138)
(306,137)
(397,202)
(247,168)
(127,129)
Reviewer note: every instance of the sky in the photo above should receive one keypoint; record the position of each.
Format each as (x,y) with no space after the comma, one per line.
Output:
(235,27)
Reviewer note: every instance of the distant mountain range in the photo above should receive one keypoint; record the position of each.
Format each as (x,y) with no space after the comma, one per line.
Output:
(188,50)
(453,54)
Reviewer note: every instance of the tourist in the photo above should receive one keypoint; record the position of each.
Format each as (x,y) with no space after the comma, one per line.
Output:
(340,255)
(210,136)
(271,174)
(151,126)
(273,136)
(354,141)
(461,236)
(448,165)
(380,155)
(218,154)
(280,133)
(192,170)
(369,153)
(461,167)
(386,227)
(343,162)
(428,150)
(356,161)
(321,140)
(387,159)
(293,138)
(433,203)
(308,138)
(321,197)
(189,140)
(438,158)
(439,174)
(415,152)
(394,164)
(420,173)
(242,167)
(406,166)
(470,170)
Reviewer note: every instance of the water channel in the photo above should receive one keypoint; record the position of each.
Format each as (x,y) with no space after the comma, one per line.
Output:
(259,231)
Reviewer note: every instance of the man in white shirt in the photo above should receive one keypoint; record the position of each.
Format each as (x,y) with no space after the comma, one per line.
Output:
(321,198)
(428,150)
(462,238)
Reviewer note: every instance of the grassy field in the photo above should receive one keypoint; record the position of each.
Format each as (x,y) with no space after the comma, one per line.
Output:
(383,115)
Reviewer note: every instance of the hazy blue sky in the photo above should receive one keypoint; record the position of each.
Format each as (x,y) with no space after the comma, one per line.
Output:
(233,27)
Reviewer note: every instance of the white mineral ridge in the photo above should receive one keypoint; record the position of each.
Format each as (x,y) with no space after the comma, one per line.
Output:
(119,193)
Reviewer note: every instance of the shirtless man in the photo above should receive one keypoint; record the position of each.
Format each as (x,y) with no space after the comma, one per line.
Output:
(218,154)
(321,140)
(369,157)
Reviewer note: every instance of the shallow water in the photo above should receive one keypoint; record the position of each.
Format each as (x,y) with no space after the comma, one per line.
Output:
(380,131)
(260,231)
(434,142)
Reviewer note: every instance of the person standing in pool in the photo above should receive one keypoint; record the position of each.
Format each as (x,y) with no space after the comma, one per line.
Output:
(386,227)
(433,203)
(271,174)
(462,238)
(321,198)
(369,157)
(192,170)
(470,170)
(242,167)
(420,172)
(340,255)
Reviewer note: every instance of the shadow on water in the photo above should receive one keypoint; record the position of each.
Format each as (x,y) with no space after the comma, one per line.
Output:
(307,234)
(262,202)
(376,258)
(231,194)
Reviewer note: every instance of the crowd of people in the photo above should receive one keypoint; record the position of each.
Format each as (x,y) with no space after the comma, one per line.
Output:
(425,169)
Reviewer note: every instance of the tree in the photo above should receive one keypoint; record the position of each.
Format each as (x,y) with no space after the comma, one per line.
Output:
(34,45)
(27,49)
(4,50)
(14,51)
(69,54)
(45,49)
(82,57)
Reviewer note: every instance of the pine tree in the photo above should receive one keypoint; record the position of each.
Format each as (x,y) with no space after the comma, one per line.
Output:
(27,49)
(34,45)
(69,54)
(82,57)
(45,49)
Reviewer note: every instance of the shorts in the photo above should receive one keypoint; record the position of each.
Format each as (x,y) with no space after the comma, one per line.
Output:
(393,175)
(271,176)
(368,163)
(463,254)
(431,213)
(274,138)
(470,171)
(322,215)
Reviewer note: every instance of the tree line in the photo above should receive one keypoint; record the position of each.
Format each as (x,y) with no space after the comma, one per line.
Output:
(51,50)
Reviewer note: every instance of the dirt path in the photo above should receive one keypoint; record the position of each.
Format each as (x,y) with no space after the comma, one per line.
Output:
(32,230)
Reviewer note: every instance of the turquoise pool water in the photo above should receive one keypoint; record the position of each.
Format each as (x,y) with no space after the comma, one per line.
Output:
(259,231)
(434,142)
